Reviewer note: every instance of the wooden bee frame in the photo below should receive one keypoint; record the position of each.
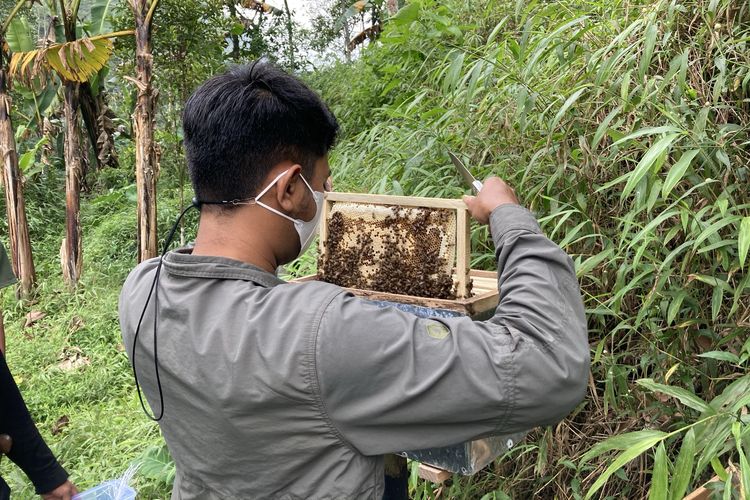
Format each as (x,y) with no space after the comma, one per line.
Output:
(476,291)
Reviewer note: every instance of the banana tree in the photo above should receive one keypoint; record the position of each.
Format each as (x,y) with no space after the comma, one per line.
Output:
(75,62)
(146,157)
(97,116)
(18,228)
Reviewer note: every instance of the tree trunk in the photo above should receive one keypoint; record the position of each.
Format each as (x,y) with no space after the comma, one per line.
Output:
(71,255)
(18,228)
(146,161)
(347,37)
(232,6)
(290,34)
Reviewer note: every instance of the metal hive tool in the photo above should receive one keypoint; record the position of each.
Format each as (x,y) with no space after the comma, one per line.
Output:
(388,248)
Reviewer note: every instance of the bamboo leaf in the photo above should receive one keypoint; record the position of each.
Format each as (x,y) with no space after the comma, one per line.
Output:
(720,355)
(568,103)
(602,128)
(586,266)
(454,72)
(648,160)
(648,50)
(677,172)
(713,229)
(743,240)
(674,307)
(622,459)
(716,299)
(647,131)
(744,465)
(659,475)
(621,442)
(683,467)
(686,397)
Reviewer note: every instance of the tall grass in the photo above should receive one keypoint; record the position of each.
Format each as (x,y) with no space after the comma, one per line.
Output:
(624,127)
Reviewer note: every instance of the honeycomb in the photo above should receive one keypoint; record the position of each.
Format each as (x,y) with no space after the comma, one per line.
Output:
(387,248)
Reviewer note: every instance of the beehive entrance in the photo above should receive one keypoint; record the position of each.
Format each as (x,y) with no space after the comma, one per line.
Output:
(401,248)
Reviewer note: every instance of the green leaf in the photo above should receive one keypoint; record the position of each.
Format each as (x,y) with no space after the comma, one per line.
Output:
(648,50)
(713,229)
(602,128)
(677,172)
(728,488)
(719,469)
(648,160)
(744,465)
(586,266)
(26,160)
(622,459)
(721,155)
(407,14)
(717,297)
(647,131)
(683,467)
(674,307)
(621,442)
(452,76)
(659,475)
(722,205)
(18,37)
(743,240)
(156,463)
(100,17)
(721,356)
(568,103)
(735,395)
(686,397)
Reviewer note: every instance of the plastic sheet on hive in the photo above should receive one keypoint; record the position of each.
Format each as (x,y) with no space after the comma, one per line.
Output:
(385,248)
(464,458)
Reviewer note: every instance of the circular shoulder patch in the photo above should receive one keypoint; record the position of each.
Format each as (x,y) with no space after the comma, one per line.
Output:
(437,330)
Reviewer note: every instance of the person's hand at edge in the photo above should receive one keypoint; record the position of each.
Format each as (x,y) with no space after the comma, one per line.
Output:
(495,192)
(63,492)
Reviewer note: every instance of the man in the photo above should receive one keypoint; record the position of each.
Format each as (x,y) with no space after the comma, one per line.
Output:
(19,437)
(281,390)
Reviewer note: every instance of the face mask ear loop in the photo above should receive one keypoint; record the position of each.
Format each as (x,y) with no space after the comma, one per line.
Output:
(155,292)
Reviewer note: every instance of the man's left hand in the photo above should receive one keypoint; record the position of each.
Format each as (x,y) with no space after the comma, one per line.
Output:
(63,492)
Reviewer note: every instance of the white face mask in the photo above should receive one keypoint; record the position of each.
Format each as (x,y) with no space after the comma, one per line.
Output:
(305,229)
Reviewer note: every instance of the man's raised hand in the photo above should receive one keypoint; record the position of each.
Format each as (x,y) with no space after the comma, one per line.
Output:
(494,193)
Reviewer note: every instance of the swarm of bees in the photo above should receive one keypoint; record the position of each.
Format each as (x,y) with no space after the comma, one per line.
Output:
(408,251)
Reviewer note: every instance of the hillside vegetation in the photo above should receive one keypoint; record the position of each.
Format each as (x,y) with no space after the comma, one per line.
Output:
(623,125)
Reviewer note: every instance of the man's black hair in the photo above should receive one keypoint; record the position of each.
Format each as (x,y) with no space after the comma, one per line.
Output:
(239,124)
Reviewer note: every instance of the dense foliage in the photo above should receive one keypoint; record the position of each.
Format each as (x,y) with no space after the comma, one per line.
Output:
(622,125)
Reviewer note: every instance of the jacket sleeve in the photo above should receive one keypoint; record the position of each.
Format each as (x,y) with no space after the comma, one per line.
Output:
(29,451)
(390,381)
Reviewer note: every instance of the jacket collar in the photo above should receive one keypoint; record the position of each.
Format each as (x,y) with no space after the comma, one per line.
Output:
(182,262)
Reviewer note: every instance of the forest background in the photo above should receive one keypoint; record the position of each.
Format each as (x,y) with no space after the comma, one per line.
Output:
(623,125)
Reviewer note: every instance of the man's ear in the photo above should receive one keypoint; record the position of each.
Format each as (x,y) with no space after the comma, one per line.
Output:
(287,187)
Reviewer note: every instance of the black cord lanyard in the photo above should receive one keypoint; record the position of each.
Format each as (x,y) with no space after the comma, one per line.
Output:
(154,291)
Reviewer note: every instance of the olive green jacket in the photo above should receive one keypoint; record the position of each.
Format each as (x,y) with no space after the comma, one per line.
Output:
(296,390)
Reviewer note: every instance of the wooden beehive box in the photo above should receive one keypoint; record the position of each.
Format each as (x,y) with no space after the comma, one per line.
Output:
(414,224)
